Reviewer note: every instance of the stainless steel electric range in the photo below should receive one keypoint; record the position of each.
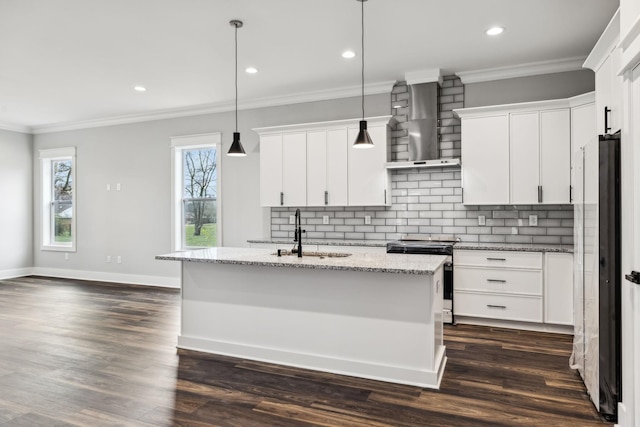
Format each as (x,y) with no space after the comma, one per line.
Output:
(432,245)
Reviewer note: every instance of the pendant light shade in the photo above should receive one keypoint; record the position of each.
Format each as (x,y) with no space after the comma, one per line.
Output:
(363,140)
(236,148)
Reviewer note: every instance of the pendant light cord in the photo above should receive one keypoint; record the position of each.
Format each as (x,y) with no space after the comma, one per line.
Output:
(236,77)
(362,14)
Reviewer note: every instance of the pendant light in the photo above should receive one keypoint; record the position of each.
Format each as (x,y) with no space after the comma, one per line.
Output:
(363,140)
(236,148)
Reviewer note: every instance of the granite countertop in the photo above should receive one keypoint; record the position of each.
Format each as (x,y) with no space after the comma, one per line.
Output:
(522,247)
(379,263)
(328,242)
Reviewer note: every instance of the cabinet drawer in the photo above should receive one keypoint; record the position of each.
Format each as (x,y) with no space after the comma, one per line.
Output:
(498,306)
(500,280)
(510,259)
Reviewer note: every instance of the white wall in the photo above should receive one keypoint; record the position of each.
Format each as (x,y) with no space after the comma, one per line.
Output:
(530,88)
(16,207)
(134,223)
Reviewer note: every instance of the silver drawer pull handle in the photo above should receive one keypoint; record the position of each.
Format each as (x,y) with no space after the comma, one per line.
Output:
(496,259)
(496,306)
(496,280)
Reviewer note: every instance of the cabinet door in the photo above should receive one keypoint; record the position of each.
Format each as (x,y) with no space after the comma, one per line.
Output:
(485,160)
(524,134)
(294,169)
(271,170)
(609,94)
(337,164)
(555,156)
(558,288)
(368,176)
(316,168)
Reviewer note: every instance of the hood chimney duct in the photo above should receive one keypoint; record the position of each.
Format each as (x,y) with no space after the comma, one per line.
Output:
(423,121)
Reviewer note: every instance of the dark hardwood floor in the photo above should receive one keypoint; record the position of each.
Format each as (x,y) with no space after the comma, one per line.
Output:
(94,354)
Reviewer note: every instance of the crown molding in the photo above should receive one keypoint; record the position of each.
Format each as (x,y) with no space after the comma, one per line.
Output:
(585,98)
(522,70)
(197,110)
(607,42)
(15,128)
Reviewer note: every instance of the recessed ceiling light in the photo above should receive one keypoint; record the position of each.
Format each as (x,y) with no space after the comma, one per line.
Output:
(140,88)
(348,54)
(494,31)
(251,70)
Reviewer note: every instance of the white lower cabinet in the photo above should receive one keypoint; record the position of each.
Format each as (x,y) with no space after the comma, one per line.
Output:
(558,288)
(514,286)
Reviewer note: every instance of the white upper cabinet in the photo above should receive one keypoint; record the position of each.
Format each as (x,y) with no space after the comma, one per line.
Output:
(485,160)
(555,157)
(516,154)
(294,169)
(524,137)
(271,193)
(283,169)
(605,60)
(327,167)
(368,177)
(315,164)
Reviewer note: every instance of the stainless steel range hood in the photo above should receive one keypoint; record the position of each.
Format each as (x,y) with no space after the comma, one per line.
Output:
(423,129)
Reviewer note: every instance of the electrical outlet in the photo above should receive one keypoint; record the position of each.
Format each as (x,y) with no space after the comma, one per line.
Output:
(119,259)
(292,219)
(325,219)
(108,187)
(514,230)
(118,187)
(482,220)
(367,219)
(533,220)
(108,258)
(66,256)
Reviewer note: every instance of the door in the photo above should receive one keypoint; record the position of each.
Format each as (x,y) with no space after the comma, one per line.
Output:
(524,134)
(271,170)
(294,169)
(555,156)
(485,156)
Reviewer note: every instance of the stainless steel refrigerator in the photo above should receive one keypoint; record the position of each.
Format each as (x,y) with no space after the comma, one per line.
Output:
(609,283)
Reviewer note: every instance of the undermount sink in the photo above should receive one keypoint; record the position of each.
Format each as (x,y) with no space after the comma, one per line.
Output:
(313,254)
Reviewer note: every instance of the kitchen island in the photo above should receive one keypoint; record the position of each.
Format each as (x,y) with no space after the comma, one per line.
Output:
(375,316)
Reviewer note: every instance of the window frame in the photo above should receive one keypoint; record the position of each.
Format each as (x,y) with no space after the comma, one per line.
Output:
(179,144)
(47,158)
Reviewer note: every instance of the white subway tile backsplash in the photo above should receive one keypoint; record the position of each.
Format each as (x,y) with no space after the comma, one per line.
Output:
(429,201)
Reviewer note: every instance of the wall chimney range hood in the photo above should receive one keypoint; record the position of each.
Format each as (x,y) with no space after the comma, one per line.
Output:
(423,130)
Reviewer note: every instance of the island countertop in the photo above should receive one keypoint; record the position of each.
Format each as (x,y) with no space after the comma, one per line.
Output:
(367,262)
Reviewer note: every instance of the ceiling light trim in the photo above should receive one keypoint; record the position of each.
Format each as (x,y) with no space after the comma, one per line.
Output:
(222,107)
(522,70)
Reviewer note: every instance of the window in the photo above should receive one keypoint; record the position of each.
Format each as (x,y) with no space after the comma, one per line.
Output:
(58,219)
(196,208)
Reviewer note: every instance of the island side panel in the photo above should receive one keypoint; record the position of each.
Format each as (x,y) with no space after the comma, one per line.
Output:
(374,325)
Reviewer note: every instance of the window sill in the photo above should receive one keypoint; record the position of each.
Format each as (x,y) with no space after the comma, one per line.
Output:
(58,248)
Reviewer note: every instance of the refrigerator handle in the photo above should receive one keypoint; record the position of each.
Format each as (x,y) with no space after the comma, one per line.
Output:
(634,277)
(607,111)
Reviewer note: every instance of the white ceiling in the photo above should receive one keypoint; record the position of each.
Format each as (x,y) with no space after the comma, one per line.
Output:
(65,61)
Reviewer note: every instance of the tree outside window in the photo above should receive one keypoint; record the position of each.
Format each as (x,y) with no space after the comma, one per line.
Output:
(199,197)
(62,201)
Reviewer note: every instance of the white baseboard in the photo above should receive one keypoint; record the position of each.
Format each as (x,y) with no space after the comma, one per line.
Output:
(15,272)
(353,368)
(100,276)
(537,327)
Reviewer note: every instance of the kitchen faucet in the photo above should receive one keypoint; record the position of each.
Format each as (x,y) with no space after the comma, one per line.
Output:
(297,233)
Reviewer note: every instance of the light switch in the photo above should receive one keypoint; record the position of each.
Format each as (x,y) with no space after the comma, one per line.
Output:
(118,187)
